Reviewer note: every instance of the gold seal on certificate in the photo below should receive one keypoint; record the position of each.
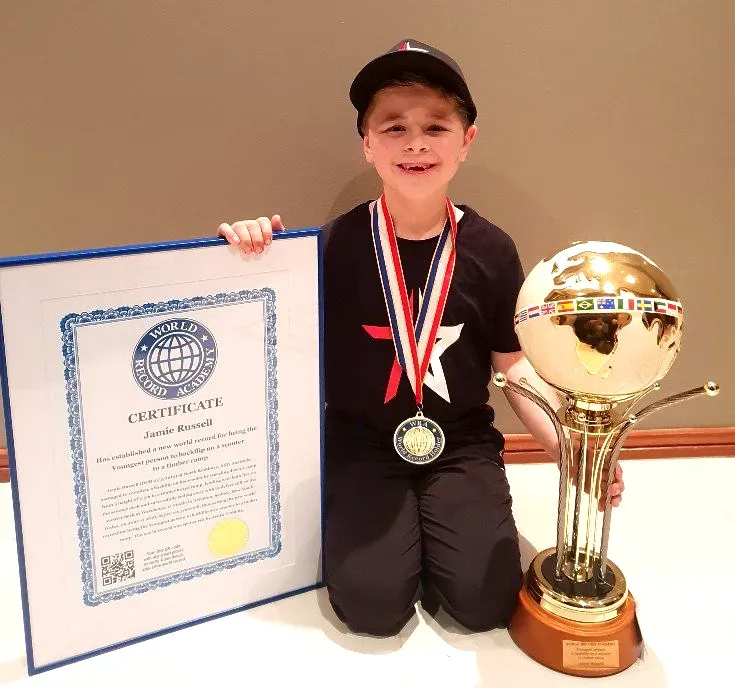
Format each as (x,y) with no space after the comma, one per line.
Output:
(419,439)
(228,537)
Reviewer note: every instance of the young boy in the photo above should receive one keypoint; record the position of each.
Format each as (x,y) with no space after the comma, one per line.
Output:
(419,299)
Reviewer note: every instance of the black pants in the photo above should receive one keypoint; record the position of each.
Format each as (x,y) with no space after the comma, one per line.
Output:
(396,533)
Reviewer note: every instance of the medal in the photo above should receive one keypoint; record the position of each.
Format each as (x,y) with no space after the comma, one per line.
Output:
(418,439)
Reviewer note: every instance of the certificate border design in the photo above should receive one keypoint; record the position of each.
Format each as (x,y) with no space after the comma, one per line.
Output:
(69,325)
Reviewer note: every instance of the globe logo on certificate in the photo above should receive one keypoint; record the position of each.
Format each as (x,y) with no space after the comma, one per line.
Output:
(174,358)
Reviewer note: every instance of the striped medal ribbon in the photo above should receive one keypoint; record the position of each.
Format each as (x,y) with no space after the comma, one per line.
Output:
(418,440)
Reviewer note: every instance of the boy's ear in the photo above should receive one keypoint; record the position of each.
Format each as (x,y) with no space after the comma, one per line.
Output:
(366,147)
(469,137)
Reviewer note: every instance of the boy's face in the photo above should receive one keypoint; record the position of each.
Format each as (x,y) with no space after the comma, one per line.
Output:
(416,139)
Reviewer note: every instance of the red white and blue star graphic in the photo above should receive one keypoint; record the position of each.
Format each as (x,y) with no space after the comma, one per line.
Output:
(435,379)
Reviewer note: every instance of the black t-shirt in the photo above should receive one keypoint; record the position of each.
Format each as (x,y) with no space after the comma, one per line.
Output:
(363,380)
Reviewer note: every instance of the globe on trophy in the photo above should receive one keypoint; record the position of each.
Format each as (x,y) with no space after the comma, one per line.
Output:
(602,325)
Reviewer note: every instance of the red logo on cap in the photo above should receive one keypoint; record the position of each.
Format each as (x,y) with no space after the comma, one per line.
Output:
(407,46)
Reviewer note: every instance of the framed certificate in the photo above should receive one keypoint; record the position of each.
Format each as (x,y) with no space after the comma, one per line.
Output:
(164,419)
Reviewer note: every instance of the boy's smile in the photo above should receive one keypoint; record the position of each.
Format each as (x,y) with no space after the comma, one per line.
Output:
(416,167)
(416,139)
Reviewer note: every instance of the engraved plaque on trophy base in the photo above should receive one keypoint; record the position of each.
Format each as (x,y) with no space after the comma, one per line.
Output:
(579,648)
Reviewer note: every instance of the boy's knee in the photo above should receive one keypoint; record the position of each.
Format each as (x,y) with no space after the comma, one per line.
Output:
(484,600)
(479,610)
(367,605)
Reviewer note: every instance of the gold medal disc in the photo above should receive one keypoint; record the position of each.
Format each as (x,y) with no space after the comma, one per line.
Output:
(418,440)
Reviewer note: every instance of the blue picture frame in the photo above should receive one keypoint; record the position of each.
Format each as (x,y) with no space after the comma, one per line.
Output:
(68,350)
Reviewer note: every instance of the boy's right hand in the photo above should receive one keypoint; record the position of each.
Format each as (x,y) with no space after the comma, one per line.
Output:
(251,236)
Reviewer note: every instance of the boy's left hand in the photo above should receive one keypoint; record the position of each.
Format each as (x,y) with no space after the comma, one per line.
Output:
(616,489)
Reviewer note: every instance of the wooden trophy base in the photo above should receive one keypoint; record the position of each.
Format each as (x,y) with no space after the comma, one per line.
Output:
(574,647)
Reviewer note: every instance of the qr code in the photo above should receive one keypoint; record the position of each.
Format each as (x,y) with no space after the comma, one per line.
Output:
(118,567)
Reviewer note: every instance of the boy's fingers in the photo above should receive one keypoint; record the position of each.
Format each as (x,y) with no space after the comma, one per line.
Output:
(243,233)
(266,230)
(226,231)
(614,501)
(250,235)
(277,223)
(256,235)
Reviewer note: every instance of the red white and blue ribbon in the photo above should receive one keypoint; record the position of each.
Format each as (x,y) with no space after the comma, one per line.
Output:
(413,345)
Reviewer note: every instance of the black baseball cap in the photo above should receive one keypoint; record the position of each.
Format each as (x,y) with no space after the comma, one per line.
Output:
(409,56)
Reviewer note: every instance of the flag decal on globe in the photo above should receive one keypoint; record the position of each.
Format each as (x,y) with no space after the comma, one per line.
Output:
(597,305)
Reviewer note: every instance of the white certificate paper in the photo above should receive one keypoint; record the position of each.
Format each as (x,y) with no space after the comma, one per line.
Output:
(164,425)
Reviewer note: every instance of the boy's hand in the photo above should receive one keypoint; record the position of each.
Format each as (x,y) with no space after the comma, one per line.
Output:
(251,236)
(616,488)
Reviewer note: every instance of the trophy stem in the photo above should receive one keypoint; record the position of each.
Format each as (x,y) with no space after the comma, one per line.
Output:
(586,453)
(592,504)
(581,472)
(561,521)
(623,431)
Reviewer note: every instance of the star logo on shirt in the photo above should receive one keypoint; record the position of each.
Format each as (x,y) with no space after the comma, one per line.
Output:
(434,379)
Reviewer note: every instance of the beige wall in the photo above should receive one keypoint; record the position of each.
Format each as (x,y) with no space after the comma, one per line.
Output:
(146,120)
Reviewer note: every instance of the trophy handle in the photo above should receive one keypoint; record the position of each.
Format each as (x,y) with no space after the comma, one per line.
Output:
(711,389)
(525,389)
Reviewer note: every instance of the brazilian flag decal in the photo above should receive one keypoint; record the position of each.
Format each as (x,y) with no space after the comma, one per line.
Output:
(585,304)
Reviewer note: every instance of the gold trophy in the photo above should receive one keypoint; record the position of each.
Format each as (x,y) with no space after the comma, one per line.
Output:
(602,325)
